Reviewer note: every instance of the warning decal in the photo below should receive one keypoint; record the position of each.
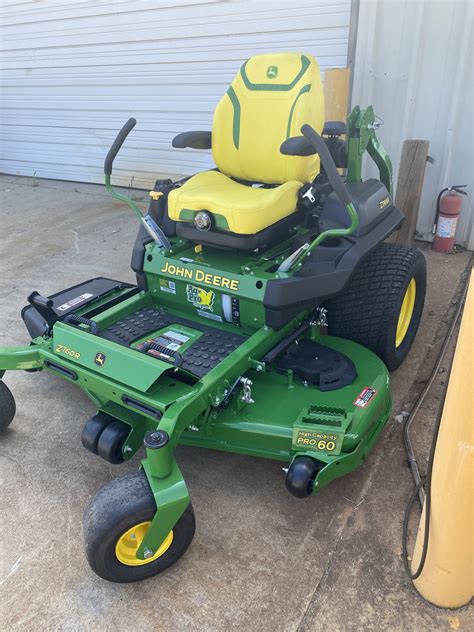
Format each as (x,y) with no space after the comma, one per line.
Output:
(365,397)
(73,302)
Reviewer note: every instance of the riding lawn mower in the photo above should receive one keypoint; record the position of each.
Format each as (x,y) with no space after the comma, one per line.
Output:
(264,280)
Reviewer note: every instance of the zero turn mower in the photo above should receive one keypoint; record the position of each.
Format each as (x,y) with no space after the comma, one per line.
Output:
(238,271)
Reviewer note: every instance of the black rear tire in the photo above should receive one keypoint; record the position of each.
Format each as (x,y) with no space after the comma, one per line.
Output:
(119,506)
(7,407)
(369,308)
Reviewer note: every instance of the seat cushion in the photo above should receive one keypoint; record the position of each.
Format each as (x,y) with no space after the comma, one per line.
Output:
(235,207)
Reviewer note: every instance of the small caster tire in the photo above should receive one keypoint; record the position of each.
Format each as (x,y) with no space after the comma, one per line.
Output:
(114,524)
(111,441)
(301,475)
(93,429)
(7,407)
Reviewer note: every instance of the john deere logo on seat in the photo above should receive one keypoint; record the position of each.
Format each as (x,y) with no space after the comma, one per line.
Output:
(272,72)
(100,359)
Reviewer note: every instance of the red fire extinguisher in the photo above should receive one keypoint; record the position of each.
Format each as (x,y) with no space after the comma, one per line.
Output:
(448,209)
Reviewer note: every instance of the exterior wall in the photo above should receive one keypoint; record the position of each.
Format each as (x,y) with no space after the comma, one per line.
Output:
(414,64)
(74,72)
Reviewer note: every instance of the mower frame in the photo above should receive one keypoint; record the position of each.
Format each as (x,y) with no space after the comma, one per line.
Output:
(135,388)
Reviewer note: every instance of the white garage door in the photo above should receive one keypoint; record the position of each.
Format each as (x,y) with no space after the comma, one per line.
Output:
(74,72)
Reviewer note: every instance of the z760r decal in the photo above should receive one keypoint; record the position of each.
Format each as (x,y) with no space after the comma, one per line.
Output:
(69,352)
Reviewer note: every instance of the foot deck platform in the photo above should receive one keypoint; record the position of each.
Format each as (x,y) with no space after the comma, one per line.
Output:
(206,353)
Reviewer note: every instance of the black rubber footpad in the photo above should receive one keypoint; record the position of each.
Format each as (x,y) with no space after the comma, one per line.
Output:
(206,353)
(318,365)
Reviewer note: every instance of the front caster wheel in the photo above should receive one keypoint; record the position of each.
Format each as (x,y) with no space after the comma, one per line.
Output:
(111,442)
(301,475)
(115,523)
(7,407)
(93,429)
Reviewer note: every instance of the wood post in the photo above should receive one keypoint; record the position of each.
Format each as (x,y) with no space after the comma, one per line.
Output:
(336,93)
(409,187)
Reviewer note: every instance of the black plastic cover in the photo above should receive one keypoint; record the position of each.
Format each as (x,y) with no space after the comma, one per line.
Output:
(371,200)
(234,241)
(323,277)
(69,300)
(318,365)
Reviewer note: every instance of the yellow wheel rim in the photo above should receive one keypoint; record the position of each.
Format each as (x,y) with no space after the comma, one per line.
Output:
(129,543)
(406,313)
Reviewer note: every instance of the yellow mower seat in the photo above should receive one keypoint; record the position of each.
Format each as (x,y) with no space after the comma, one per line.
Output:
(269,100)
(235,207)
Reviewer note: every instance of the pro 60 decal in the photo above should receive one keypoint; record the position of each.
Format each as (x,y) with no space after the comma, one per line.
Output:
(317,440)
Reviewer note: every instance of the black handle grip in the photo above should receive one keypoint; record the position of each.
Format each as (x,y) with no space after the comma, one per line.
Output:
(118,142)
(75,320)
(37,300)
(178,358)
(328,163)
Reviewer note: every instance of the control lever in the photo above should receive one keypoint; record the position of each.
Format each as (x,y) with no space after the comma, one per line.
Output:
(148,222)
(312,143)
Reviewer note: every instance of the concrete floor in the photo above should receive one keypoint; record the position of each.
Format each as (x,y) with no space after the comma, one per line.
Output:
(261,559)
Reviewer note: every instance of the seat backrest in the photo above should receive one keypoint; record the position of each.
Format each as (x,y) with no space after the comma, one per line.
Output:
(269,100)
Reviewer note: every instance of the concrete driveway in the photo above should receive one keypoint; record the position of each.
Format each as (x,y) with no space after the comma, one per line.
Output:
(261,559)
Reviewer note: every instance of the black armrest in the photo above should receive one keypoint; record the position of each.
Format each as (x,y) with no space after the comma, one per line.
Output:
(297,146)
(334,128)
(195,140)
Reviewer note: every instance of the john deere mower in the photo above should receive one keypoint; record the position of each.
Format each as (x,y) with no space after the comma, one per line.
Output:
(240,273)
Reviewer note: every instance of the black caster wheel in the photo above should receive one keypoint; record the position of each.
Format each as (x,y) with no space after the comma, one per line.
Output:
(7,407)
(93,429)
(300,476)
(115,523)
(111,440)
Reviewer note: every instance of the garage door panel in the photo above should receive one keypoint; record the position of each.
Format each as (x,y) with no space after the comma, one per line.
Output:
(72,75)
